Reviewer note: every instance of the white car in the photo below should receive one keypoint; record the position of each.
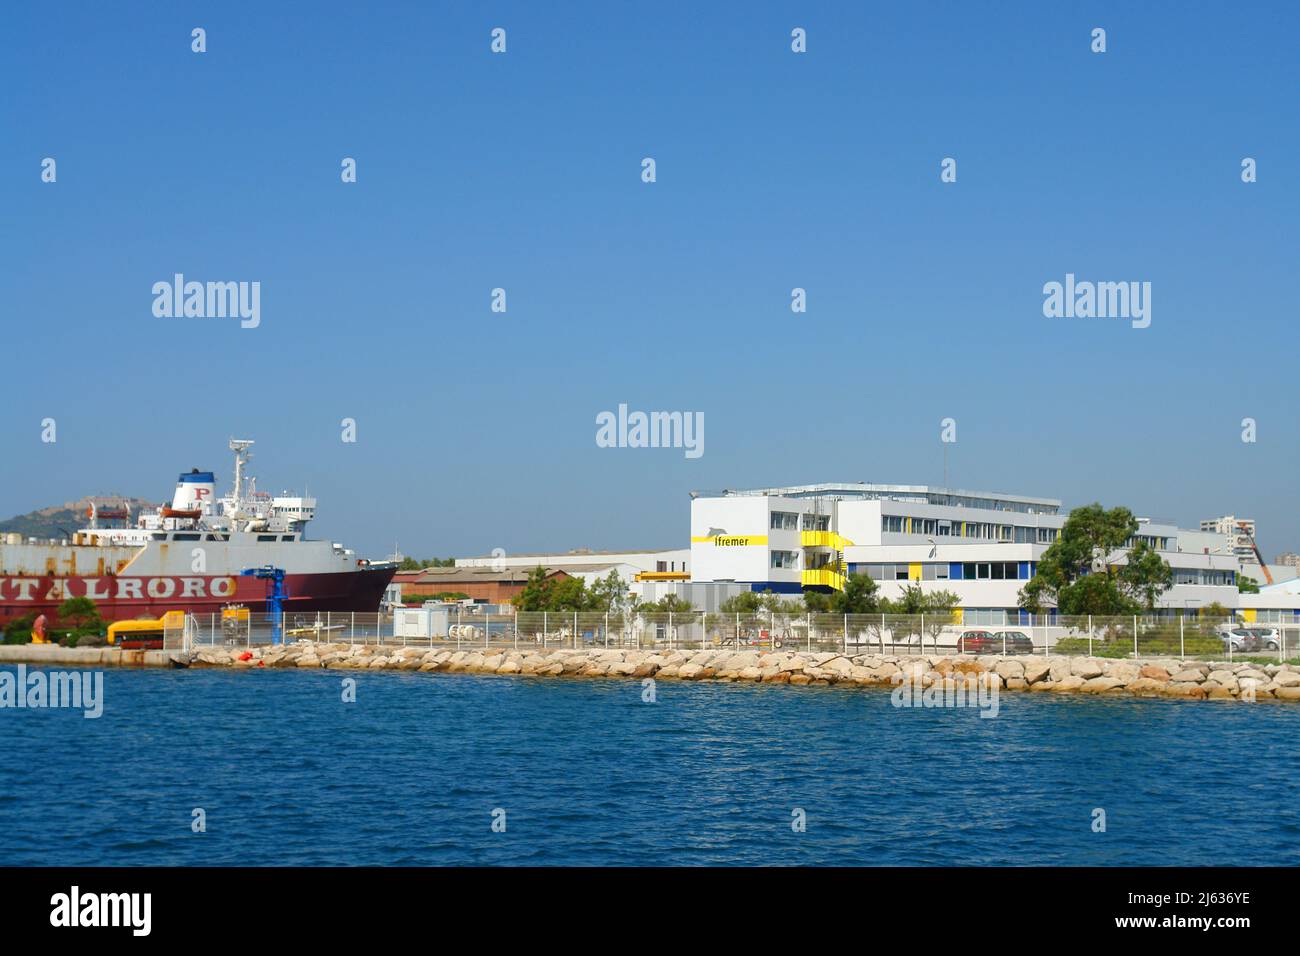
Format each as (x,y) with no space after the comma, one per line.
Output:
(1267,638)
(1237,640)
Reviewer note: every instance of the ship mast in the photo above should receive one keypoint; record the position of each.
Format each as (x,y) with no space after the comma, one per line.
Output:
(240,447)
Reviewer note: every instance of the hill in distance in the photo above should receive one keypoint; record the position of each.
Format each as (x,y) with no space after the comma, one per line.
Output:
(60,521)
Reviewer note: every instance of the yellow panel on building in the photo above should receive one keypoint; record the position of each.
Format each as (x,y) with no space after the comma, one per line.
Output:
(914,571)
(1248,615)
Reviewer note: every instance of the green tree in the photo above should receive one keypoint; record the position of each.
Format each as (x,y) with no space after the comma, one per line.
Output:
(80,615)
(1247,584)
(816,602)
(937,606)
(1215,611)
(669,604)
(1080,574)
(610,594)
(548,593)
(858,597)
(746,602)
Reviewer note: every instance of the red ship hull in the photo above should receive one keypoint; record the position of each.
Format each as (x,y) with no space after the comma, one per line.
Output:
(126,597)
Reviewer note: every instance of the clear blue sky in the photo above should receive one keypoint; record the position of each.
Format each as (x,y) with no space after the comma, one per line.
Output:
(477,430)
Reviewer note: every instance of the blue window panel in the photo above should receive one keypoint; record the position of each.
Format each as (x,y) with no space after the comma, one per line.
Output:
(776,587)
(1022,571)
(954,570)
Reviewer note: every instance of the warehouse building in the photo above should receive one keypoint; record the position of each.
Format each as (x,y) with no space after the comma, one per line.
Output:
(981,546)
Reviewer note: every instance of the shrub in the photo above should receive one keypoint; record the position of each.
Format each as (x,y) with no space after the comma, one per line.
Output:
(19,630)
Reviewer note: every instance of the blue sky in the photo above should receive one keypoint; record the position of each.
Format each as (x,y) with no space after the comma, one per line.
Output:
(476,430)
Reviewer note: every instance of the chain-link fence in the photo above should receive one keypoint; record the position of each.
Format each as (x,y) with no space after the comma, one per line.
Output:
(892,634)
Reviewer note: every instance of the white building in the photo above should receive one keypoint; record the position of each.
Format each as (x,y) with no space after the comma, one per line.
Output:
(981,546)
(672,561)
(1238,533)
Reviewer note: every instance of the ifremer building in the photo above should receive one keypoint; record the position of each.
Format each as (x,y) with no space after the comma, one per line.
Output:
(982,546)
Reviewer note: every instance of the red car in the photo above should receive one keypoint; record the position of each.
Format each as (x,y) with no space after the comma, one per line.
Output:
(978,642)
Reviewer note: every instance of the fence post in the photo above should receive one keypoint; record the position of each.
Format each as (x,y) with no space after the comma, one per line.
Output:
(1135,637)
(922,633)
(575,630)
(1090,635)
(545,615)
(607,630)
(1182,647)
(846,635)
(809,619)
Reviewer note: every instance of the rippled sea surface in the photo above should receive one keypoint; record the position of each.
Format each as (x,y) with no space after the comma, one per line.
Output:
(588,773)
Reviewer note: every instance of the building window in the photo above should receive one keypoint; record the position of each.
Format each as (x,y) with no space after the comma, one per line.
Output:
(785,521)
(784,559)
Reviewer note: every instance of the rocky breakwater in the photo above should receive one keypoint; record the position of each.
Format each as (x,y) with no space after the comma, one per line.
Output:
(1181,679)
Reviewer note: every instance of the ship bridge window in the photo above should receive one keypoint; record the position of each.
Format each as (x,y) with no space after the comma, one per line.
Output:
(218,537)
(157,536)
(266,537)
(185,537)
(287,537)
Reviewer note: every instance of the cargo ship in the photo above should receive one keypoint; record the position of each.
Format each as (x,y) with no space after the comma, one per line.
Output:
(196,554)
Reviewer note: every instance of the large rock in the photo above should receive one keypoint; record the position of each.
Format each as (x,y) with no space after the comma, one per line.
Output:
(1154,672)
(1223,678)
(1188,676)
(1099,685)
(1146,687)
(1036,670)
(1123,671)
(1086,667)
(1068,684)
(1009,669)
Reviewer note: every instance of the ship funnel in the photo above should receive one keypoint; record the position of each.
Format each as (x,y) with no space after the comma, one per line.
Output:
(195,491)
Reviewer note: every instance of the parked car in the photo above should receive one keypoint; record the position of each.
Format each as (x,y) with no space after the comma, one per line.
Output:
(1238,640)
(1015,642)
(1266,638)
(977,642)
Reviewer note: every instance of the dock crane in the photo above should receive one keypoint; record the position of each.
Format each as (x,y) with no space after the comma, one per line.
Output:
(1244,528)
(274,600)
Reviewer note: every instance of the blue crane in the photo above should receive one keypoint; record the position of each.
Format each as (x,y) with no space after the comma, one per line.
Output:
(274,600)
